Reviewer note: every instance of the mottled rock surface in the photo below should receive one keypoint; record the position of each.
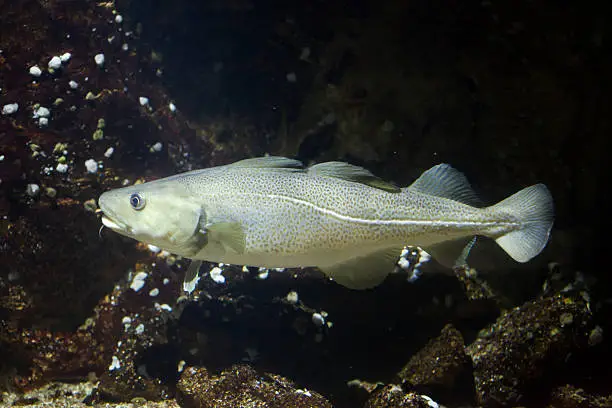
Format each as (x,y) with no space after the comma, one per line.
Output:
(513,357)
(242,386)
(439,362)
(571,397)
(392,396)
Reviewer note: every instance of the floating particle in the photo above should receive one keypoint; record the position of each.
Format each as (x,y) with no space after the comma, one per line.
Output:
(138,281)
(291,77)
(10,108)
(126,321)
(217,67)
(154,249)
(43,122)
(172,107)
(143,100)
(154,292)
(166,281)
(118,19)
(65,57)
(99,59)
(73,84)
(181,366)
(318,319)
(140,329)
(61,167)
(55,63)
(35,71)
(1,157)
(216,275)
(165,307)
(157,147)
(292,297)
(91,165)
(115,364)
(32,190)
(125,47)
(109,152)
(305,54)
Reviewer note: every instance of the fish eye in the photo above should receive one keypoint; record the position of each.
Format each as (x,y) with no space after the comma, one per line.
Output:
(137,201)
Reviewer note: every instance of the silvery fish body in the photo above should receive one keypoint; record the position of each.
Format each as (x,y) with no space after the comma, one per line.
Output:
(273,212)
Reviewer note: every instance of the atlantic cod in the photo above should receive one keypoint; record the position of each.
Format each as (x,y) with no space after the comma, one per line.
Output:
(273,212)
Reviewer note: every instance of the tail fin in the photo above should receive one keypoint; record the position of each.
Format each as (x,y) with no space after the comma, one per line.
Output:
(533,207)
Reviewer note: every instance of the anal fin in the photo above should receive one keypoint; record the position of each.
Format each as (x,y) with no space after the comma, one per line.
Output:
(453,253)
(364,272)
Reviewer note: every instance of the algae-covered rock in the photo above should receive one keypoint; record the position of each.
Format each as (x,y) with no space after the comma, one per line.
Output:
(441,368)
(242,386)
(569,396)
(526,344)
(392,396)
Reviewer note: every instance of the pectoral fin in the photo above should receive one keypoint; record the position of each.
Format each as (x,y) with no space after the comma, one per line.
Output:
(364,272)
(229,235)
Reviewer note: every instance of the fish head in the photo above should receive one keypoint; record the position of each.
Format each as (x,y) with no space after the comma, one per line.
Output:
(160,213)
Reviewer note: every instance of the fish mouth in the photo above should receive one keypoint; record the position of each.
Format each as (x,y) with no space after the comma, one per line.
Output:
(108,223)
(112,224)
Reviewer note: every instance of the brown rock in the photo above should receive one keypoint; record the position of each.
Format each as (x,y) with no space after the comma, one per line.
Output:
(242,386)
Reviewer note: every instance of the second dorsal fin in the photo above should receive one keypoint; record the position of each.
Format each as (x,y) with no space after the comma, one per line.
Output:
(445,181)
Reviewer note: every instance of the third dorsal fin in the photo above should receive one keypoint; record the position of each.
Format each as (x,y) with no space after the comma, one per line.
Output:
(445,181)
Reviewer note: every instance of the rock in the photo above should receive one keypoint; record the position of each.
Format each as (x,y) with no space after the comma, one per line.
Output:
(242,386)
(569,396)
(392,396)
(525,345)
(439,362)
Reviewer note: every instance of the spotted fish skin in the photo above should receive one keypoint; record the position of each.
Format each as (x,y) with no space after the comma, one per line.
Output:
(273,212)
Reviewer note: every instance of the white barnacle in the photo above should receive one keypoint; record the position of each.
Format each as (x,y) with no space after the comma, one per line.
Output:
(99,59)
(216,274)
(138,281)
(115,364)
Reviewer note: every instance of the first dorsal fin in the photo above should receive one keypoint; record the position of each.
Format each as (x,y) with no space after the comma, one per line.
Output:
(444,181)
(353,173)
(270,162)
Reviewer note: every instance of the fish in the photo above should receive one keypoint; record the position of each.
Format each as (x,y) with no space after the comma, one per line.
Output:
(274,212)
